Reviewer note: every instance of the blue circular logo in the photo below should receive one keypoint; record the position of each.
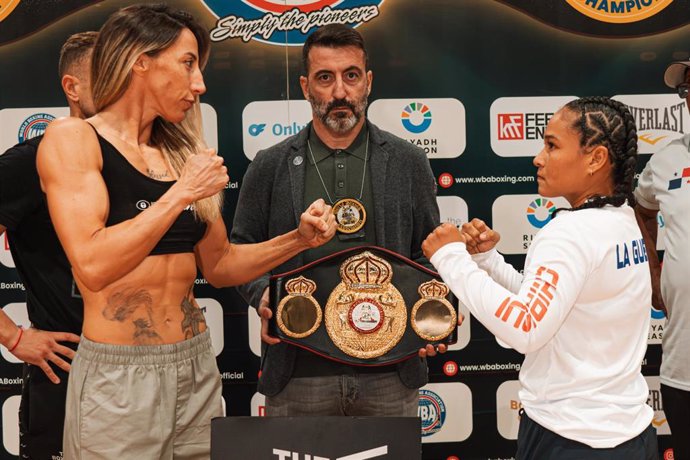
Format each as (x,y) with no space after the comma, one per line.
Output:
(416,117)
(285,22)
(432,411)
(34,126)
(658,314)
(539,212)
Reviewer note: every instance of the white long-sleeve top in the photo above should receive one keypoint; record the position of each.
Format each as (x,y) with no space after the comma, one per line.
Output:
(581,316)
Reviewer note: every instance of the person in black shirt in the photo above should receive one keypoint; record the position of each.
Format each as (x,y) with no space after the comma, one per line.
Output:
(53,302)
(135,197)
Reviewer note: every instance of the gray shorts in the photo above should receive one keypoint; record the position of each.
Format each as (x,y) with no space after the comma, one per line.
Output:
(147,402)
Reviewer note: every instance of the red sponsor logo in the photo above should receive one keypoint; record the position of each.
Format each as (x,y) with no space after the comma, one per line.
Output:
(453,457)
(446,180)
(450,368)
(511,126)
(668,454)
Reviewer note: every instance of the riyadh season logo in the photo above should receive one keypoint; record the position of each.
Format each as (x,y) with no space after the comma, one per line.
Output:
(34,126)
(619,11)
(432,411)
(539,212)
(518,218)
(416,117)
(657,324)
(442,135)
(658,314)
(285,22)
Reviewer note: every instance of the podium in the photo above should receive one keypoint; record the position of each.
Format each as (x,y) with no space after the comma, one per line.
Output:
(316,438)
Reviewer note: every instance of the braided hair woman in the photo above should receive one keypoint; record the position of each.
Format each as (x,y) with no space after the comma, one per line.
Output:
(580,311)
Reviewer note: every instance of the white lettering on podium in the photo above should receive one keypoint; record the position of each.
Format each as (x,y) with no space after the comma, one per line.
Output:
(364,455)
(371,453)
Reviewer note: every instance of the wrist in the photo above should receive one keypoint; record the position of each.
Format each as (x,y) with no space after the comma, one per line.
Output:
(301,241)
(177,197)
(18,338)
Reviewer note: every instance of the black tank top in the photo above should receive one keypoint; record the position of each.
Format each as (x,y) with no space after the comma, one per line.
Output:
(131,192)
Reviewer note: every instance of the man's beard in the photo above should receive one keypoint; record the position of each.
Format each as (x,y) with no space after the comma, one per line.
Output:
(339,122)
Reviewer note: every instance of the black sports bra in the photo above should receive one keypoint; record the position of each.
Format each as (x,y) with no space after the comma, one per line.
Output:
(131,192)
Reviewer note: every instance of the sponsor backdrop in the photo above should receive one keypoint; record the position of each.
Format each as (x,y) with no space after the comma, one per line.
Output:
(472,82)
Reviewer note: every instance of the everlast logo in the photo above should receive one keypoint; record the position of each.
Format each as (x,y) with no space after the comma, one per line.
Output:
(659,118)
(654,400)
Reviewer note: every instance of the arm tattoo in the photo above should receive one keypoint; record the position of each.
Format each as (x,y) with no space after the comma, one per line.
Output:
(135,306)
(193,316)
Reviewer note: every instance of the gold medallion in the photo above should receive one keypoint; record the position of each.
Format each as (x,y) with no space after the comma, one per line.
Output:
(365,315)
(433,317)
(350,215)
(299,314)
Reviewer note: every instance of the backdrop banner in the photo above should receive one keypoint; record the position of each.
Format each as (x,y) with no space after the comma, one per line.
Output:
(472,82)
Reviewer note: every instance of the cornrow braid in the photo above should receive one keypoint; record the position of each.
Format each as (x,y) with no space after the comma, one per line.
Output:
(606,122)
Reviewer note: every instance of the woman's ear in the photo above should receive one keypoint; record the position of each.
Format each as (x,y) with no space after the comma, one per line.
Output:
(598,158)
(142,64)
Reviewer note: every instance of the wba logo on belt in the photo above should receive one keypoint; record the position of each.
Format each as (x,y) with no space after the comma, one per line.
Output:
(281,22)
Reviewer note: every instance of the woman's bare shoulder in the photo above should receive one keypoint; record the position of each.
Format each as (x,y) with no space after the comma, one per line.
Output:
(69,139)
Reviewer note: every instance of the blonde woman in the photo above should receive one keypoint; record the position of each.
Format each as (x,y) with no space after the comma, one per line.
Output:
(135,199)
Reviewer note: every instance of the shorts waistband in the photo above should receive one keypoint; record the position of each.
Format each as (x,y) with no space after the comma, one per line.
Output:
(144,354)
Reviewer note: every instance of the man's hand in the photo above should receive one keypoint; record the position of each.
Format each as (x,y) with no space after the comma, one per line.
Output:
(38,347)
(317,224)
(431,350)
(479,237)
(265,313)
(204,175)
(442,235)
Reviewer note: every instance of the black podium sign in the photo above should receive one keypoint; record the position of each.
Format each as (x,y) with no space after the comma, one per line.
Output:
(316,438)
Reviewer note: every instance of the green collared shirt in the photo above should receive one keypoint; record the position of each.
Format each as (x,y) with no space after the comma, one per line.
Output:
(341,170)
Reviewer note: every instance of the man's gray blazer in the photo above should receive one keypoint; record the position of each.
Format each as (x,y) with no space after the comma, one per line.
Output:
(272,199)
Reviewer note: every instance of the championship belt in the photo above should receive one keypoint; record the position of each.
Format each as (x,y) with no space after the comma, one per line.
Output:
(365,306)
